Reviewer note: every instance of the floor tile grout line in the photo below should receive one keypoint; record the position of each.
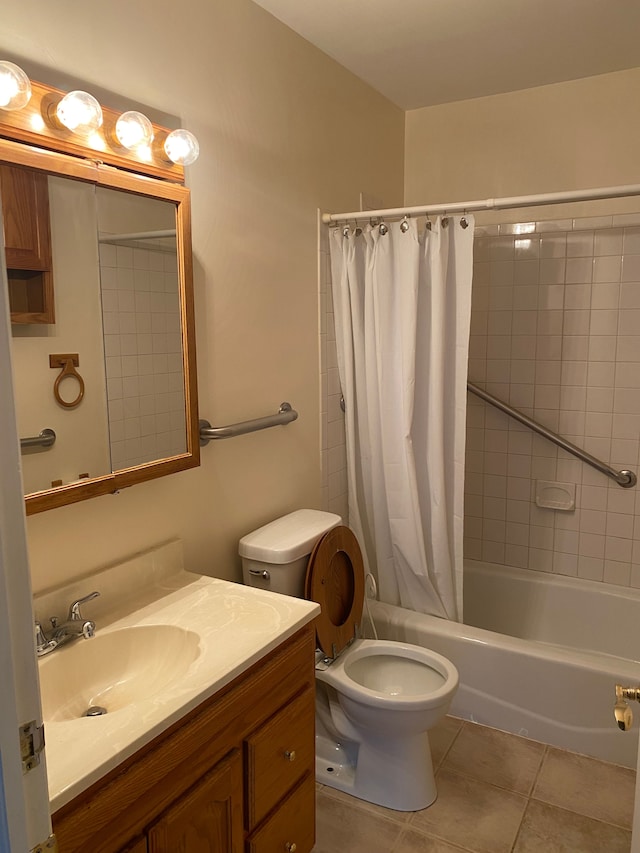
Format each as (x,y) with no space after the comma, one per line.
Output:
(579,814)
(545,753)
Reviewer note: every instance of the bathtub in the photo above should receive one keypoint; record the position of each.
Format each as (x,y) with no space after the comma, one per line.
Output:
(540,656)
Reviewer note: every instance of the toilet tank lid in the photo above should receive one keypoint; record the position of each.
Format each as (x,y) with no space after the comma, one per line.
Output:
(288,538)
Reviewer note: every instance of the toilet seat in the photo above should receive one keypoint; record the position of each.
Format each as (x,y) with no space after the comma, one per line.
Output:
(335,580)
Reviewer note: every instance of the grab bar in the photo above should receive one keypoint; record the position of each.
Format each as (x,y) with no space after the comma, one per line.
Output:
(284,415)
(624,478)
(45,438)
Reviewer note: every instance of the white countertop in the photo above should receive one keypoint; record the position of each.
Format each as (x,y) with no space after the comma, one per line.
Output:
(236,626)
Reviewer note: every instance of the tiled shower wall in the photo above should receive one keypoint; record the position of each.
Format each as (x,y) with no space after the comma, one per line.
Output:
(143,354)
(555,332)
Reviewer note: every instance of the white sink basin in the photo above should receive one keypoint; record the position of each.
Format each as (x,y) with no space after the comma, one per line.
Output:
(114,670)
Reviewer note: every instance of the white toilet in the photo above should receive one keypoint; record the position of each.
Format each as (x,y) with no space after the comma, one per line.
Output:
(375,699)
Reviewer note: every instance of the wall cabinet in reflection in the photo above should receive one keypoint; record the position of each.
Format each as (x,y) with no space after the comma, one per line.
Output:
(27,235)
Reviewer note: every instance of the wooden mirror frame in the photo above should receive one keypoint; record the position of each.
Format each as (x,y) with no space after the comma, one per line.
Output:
(96,172)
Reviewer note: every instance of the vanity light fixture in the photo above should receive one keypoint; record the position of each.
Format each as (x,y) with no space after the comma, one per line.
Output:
(79,111)
(15,87)
(181,147)
(75,123)
(133,129)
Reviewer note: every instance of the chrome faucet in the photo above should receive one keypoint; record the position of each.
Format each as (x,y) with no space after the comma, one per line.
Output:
(62,632)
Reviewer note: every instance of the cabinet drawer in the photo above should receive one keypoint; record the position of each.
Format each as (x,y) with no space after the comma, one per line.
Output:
(292,827)
(279,753)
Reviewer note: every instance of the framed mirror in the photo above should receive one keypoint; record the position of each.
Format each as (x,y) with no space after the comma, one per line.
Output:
(103,328)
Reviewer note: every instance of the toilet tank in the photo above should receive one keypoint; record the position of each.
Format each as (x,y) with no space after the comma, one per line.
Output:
(275,556)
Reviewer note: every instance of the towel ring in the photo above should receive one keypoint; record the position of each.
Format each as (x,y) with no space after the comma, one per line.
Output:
(68,362)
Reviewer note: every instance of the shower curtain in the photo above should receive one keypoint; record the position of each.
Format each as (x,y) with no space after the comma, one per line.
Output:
(402,305)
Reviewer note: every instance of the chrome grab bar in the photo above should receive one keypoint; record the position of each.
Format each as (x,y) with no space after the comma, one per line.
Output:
(45,438)
(623,478)
(284,415)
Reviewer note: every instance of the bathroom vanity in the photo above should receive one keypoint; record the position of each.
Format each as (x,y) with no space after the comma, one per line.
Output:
(219,758)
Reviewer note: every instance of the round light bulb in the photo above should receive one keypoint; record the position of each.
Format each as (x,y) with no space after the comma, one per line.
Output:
(134,129)
(79,111)
(181,147)
(15,88)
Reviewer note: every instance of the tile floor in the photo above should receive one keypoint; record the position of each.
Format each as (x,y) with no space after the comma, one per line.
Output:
(497,793)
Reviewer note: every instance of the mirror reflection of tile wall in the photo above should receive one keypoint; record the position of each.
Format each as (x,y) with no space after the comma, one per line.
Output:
(555,332)
(143,353)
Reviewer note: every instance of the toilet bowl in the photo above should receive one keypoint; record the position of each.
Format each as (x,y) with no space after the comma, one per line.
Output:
(376,699)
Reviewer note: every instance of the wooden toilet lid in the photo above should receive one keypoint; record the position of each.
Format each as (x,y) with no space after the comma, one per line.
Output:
(335,580)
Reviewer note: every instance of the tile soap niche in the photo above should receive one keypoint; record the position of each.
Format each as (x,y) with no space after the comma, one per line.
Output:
(551,495)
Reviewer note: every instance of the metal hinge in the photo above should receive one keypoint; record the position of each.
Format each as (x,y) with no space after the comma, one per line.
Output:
(31,745)
(48,846)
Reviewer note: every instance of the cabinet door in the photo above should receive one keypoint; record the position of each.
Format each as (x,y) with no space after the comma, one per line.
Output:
(25,208)
(139,846)
(207,818)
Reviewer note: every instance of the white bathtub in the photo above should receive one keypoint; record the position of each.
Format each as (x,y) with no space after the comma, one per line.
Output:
(541,656)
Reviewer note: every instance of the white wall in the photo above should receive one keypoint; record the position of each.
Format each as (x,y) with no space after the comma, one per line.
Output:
(272,115)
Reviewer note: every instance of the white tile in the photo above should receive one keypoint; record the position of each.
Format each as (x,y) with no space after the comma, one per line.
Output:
(629,295)
(607,269)
(516,534)
(601,373)
(553,246)
(526,272)
(552,270)
(579,270)
(518,511)
(576,322)
(617,548)
(608,242)
(546,225)
(587,222)
(619,525)
(617,573)
(591,568)
(525,298)
(551,296)
(501,298)
(631,240)
(577,296)
(626,401)
(602,347)
(631,268)
(604,322)
(593,521)
(550,322)
(628,348)
(565,564)
(516,555)
(575,348)
(605,295)
(501,273)
(593,497)
(591,545)
(551,346)
(580,244)
(540,560)
(493,552)
(566,541)
(600,400)
(629,323)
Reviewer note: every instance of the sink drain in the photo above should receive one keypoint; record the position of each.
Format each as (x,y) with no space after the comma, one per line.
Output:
(95,711)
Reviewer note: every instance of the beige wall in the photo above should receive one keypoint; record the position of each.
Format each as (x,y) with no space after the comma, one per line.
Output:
(575,135)
(283,131)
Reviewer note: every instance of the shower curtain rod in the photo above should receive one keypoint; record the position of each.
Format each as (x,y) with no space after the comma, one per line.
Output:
(489,204)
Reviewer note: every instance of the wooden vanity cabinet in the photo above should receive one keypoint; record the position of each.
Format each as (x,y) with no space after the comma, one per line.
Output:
(236,775)
(27,238)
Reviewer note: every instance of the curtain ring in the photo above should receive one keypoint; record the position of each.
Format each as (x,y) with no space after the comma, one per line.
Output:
(464,223)
(345,231)
(383,229)
(429,226)
(445,221)
(404,225)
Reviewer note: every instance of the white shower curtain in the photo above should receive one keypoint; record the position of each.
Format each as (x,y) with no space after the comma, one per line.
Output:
(402,303)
